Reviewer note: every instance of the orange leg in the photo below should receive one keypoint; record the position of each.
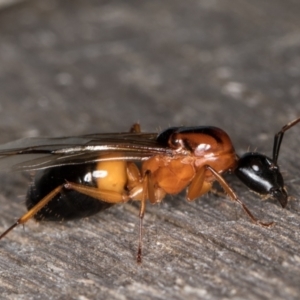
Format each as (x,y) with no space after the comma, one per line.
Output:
(34,210)
(139,190)
(141,216)
(103,195)
(96,193)
(144,190)
(148,193)
(234,197)
(198,186)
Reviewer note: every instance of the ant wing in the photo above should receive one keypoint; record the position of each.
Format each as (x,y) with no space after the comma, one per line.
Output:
(41,153)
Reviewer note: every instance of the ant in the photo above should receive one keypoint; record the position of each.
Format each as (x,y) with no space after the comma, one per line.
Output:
(80,176)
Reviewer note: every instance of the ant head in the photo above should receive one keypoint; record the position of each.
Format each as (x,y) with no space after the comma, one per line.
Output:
(261,175)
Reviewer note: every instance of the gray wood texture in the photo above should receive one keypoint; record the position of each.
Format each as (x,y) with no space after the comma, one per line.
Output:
(74,67)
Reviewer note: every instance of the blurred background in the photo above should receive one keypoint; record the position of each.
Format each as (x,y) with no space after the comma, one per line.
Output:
(77,67)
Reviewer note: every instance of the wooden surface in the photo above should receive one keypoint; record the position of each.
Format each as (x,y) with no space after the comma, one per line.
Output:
(74,67)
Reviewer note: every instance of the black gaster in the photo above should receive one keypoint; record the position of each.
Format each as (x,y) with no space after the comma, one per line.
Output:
(68,204)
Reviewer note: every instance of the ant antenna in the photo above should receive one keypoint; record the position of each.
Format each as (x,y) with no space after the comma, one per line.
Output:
(278,139)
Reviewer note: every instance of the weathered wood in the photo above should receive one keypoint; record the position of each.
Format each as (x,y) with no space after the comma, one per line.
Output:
(89,66)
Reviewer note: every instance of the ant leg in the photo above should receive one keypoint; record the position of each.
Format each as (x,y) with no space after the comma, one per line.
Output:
(148,192)
(278,138)
(115,197)
(141,216)
(136,185)
(198,186)
(234,197)
(140,192)
(33,210)
(96,193)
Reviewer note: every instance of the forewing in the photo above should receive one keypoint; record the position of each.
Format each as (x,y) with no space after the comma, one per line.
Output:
(40,153)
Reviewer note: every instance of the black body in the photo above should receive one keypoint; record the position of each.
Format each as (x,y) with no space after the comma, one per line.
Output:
(69,204)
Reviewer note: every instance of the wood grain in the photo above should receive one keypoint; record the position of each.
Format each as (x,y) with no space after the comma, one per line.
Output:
(74,67)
